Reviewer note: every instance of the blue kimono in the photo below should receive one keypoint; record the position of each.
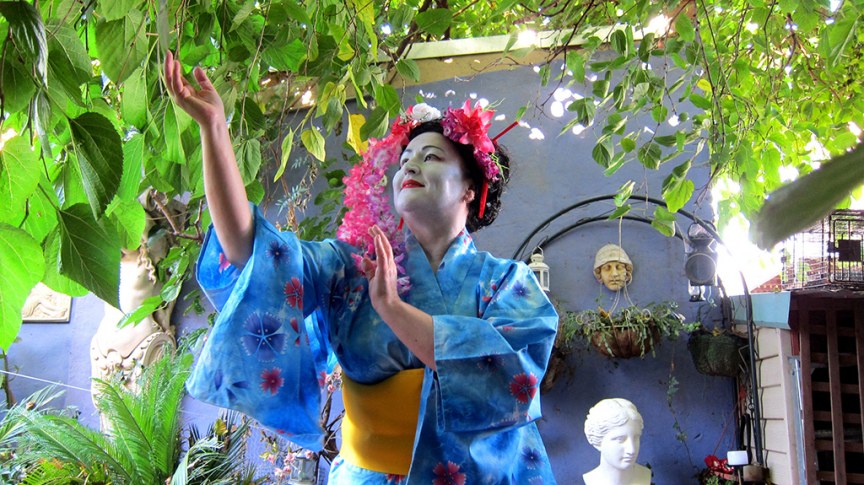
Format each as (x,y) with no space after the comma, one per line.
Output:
(297,303)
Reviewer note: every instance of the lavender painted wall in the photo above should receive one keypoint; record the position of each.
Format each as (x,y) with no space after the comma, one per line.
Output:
(549,175)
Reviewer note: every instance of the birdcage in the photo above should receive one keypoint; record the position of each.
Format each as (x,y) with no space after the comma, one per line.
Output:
(827,253)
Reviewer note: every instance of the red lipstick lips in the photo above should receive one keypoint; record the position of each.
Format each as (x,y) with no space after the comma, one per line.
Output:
(410,184)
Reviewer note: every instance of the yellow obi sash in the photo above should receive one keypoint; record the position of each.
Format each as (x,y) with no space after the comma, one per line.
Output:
(380,421)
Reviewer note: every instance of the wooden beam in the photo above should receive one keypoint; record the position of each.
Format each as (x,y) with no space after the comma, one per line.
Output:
(837,431)
(859,351)
(803,325)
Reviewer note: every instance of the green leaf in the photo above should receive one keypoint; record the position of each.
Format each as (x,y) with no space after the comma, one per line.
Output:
(122,45)
(296,12)
(545,72)
(645,46)
(134,103)
(649,155)
(18,87)
(314,143)
(521,112)
(249,159)
(619,42)
(408,69)
(252,121)
(130,220)
(287,57)
(809,198)
(628,145)
(678,194)
(624,193)
(58,9)
(89,253)
(601,154)
(619,212)
(133,163)
(677,189)
(164,31)
(388,99)
(255,192)
(346,52)
(788,6)
(839,37)
(584,109)
(434,21)
(287,145)
(700,101)
(615,164)
(100,158)
(68,60)
(241,15)
(576,64)
(684,27)
(376,124)
(42,214)
(117,9)
(145,309)
(52,278)
(667,140)
(19,176)
(23,264)
(28,31)
(73,186)
(173,131)
(663,221)
(600,88)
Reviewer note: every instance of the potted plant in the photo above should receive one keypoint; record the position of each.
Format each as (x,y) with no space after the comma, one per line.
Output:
(632,331)
(718,351)
(717,472)
(715,348)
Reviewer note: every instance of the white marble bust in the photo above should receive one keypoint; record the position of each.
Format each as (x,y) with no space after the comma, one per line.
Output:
(614,427)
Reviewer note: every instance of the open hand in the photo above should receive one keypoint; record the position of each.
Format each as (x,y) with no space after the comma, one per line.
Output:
(204,105)
(382,273)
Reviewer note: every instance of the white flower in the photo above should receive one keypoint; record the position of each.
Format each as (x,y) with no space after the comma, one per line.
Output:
(423,112)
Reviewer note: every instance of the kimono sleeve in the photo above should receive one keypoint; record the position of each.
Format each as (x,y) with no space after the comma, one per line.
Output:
(489,367)
(266,355)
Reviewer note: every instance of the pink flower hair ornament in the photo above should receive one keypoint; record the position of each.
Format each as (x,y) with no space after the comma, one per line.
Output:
(366,182)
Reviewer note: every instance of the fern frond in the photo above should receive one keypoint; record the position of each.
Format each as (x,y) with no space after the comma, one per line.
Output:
(220,457)
(13,424)
(65,439)
(163,384)
(127,433)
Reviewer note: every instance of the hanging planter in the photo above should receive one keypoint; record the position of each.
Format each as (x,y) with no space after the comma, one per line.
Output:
(561,349)
(633,331)
(624,342)
(718,353)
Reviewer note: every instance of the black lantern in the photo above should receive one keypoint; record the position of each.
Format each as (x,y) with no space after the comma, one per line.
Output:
(701,264)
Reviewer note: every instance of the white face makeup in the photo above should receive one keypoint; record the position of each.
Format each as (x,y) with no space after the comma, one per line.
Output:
(620,445)
(430,180)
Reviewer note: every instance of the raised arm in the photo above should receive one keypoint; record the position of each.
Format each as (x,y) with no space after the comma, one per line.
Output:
(223,185)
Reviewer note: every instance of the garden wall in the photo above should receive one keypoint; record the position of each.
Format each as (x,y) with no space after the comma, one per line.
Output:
(683,422)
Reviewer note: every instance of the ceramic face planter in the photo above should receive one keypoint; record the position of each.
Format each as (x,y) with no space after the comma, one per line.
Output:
(612,267)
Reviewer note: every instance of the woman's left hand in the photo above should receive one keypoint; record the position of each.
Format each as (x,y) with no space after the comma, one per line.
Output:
(382,273)
(412,326)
